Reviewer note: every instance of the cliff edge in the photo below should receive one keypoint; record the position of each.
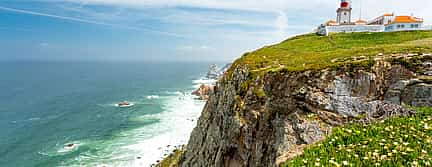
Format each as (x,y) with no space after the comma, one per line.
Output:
(274,102)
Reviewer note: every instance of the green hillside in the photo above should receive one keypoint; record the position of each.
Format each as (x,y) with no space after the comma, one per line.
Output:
(312,51)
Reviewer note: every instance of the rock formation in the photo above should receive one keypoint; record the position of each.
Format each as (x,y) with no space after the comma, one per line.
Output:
(266,119)
(204,91)
(215,73)
(274,102)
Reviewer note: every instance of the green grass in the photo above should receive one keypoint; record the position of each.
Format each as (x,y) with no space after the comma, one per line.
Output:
(312,51)
(172,160)
(395,142)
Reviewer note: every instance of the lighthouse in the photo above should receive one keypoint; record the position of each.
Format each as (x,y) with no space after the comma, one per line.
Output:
(344,12)
(384,23)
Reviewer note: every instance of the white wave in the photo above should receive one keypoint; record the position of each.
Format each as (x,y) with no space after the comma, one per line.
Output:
(153,97)
(102,165)
(33,119)
(26,120)
(176,124)
(144,146)
(204,81)
(175,93)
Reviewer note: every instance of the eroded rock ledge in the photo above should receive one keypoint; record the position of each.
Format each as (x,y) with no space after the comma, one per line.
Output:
(266,119)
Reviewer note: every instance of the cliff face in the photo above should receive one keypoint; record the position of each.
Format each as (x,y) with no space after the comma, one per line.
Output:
(263,120)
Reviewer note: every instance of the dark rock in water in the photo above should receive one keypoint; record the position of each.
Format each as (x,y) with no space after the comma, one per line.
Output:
(204,91)
(213,72)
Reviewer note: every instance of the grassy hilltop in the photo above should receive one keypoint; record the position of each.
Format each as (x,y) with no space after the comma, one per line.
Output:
(312,51)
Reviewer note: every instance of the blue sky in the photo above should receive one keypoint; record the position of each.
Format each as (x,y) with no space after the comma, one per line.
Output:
(167,30)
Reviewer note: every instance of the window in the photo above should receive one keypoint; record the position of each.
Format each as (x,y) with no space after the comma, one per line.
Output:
(402,26)
(398,26)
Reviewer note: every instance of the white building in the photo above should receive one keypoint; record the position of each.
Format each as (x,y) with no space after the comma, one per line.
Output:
(398,23)
(384,23)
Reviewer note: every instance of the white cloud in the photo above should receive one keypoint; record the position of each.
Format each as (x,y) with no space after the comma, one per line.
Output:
(281,24)
(371,8)
(214,18)
(76,19)
(268,5)
(219,28)
(189,48)
(43,44)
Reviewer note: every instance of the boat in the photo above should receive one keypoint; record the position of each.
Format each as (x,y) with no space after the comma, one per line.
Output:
(124,104)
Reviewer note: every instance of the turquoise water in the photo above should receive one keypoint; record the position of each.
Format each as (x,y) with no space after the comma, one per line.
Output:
(45,105)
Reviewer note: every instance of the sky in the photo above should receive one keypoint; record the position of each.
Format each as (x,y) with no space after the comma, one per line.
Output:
(168,30)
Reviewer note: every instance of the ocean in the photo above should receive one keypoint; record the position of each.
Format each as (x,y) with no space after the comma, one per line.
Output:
(47,105)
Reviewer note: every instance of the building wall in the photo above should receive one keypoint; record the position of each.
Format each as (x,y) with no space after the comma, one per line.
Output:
(325,30)
(404,27)
(381,20)
(427,27)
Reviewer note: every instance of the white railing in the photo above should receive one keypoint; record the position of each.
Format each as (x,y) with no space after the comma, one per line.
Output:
(427,27)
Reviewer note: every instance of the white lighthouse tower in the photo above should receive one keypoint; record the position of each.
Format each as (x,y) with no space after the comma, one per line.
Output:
(344,12)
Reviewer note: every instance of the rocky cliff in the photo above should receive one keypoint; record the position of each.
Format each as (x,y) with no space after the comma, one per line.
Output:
(262,117)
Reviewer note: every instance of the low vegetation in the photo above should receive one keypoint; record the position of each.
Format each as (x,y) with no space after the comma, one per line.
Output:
(315,52)
(399,141)
(312,51)
(172,160)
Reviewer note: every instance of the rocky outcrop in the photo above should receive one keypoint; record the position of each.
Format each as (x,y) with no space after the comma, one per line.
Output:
(215,73)
(262,120)
(204,91)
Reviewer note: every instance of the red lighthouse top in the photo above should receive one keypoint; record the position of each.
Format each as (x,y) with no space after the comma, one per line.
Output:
(345,4)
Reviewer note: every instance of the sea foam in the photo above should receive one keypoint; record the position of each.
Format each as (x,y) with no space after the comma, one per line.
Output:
(143,146)
(153,97)
(176,123)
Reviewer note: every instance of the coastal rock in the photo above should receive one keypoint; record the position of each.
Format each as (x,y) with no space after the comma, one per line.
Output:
(271,118)
(204,91)
(215,73)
